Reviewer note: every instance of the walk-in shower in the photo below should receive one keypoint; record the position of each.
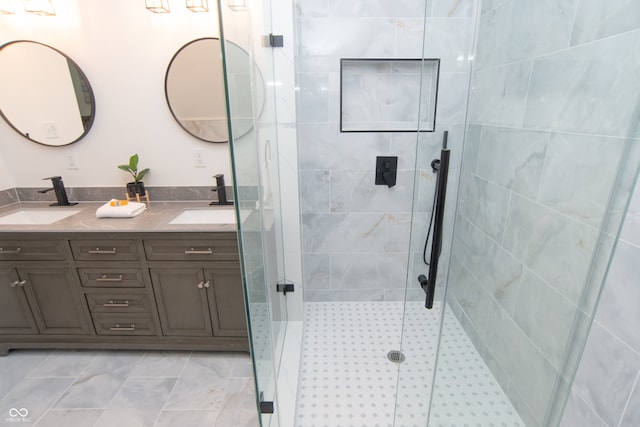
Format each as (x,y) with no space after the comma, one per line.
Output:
(539,102)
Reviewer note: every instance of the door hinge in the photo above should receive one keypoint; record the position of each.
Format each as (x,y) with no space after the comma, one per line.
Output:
(273,40)
(285,287)
(266,407)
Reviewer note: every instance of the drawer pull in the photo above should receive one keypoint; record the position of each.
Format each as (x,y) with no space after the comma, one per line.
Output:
(103,252)
(117,327)
(15,251)
(116,304)
(192,251)
(105,278)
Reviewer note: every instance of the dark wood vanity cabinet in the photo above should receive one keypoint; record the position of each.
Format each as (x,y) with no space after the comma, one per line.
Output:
(121,290)
(198,286)
(38,292)
(52,304)
(200,301)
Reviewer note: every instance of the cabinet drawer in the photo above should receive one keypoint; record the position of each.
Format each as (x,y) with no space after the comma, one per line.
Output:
(104,250)
(111,277)
(214,249)
(25,250)
(115,302)
(124,324)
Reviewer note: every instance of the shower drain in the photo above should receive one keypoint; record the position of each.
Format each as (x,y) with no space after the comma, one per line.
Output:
(395,356)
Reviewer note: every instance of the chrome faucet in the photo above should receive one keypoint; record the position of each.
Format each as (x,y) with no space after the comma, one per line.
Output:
(61,193)
(221,190)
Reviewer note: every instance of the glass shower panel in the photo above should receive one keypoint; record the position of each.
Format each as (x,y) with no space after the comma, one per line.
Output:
(448,36)
(548,123)
(256,190)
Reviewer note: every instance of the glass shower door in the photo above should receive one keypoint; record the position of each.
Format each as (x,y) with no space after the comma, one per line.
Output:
(256,192)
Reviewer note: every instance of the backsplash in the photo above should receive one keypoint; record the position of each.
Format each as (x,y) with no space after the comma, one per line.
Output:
(8,197)
(92,194)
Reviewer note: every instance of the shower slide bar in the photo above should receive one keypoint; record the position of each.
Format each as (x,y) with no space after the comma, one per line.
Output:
(429,284)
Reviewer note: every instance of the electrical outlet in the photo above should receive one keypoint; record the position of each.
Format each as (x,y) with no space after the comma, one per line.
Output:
(198,159)
(72,161)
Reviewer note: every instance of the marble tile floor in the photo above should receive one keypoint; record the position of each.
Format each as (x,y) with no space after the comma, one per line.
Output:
(346,379)
(127,389)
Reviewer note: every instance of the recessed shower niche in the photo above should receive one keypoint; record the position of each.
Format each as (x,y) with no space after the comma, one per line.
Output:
(380,95)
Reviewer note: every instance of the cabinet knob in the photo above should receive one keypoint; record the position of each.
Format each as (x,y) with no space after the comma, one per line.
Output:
(22,283)
(207,284)
(14,283)
(200,285)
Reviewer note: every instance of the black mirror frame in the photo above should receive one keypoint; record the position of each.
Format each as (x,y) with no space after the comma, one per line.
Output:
(81,73)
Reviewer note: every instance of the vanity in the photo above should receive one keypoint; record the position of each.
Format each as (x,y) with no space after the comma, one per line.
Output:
(148,282)
(168,279)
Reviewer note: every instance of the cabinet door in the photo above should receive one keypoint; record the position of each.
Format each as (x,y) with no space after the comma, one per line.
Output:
(56,305)
(226,301)
(182,301)
(15,314)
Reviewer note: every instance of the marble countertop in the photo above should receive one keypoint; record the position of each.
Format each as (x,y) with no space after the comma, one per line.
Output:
(156,218)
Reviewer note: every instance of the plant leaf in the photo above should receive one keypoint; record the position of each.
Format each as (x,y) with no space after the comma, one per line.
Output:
(141,174)
(133,162)
(125,168)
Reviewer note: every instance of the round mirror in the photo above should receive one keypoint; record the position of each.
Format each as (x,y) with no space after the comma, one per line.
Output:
(44,95)
(194,88)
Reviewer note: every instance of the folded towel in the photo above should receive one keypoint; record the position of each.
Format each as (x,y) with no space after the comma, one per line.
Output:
(129,210)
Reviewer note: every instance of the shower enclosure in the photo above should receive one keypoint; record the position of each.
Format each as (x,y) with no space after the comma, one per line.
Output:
(540,104)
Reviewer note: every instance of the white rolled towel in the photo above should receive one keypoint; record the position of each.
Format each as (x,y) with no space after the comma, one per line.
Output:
(129,210)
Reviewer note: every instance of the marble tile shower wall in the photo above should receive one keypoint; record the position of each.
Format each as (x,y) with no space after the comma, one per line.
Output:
(606,391)
(554,99)
(356,236)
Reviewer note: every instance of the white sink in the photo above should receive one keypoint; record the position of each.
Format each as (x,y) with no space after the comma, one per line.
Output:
(37,216)
(205,216)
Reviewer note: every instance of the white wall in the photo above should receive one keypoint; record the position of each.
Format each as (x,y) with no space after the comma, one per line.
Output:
(124,51)
(5,179)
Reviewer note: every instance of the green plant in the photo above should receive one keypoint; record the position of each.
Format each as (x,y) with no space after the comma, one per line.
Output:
(132,168)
